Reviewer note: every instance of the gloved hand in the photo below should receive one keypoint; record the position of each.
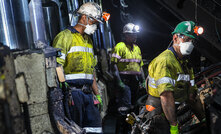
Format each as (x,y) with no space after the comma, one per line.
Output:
(121,84)
(63,83)
(174,129)
(100,105)
(143,84)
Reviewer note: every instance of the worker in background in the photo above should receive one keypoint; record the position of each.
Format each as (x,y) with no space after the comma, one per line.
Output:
(127,66)
(171,79)
(78,62)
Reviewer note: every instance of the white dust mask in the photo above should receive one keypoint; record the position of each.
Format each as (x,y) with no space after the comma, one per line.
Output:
(186,48)
(90,29)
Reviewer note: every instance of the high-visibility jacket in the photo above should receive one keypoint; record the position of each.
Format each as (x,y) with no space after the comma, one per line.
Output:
(77,55)
(129,61)
(168,73)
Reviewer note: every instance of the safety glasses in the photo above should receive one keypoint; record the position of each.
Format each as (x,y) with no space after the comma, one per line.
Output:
(185,38)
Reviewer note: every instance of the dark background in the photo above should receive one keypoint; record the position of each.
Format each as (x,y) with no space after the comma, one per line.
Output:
(156,24)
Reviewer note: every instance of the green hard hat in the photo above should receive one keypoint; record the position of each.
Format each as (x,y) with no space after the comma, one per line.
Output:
(185,28)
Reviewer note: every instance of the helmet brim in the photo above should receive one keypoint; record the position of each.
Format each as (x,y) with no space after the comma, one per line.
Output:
(191,36)
(100,21)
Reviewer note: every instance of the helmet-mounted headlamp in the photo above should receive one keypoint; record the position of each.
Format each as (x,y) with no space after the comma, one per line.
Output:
(136,28)
(198,30)
(105,16)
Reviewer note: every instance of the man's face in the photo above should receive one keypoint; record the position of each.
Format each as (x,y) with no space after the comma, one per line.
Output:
(184,44)
(130,37)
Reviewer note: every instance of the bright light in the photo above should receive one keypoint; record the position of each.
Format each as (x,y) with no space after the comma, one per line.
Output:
(137,28)
(200,30)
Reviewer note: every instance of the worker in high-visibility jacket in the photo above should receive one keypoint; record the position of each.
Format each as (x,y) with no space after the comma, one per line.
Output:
(171,79)
(127,66)
(78,62)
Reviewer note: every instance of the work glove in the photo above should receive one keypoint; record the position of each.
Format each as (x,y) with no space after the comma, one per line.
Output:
(174,129)
(121,84)
(143,84)
(100,105)
(65,84)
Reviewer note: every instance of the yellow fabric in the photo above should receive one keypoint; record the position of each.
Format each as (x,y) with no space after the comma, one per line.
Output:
(167,66)
(174,129)
(127,59)
(75,61)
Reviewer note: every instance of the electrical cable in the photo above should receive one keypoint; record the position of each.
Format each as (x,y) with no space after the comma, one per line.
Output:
(217,31)
(196,3)
(170,44)
(196,11)
(114,5)
(216,2)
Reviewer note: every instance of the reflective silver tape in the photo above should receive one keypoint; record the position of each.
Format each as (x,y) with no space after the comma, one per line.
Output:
(80,49)
(63,56)
(116,56)
(79,76)
(151,82)
(129,60)
(165,80)
(192,82)
(184,77)
(177,102)
(130,72)
(93,129)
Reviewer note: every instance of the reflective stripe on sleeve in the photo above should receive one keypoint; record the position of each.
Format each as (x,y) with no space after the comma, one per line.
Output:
(80,49)
(79,76)
(129,60)
(116,56)
(184,77)
(165,80)
(93,129)
(192,82)
(151,82)
(63,56)
(130,72)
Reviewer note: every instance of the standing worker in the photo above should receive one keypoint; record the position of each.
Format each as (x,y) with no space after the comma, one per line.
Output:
(171,80)
(127,65)
(78,62)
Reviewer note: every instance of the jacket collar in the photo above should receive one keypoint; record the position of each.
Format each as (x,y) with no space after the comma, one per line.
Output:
(174,52)
(72,29)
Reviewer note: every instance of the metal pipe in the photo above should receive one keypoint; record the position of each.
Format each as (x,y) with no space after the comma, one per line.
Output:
(76,4)
(63,13)
(95,41)
(51,18)
(72,16)
(37,21)
(109,34)
(22,24)
(7,25)
(60,14)
(110,39)
(99,38)
(103,35)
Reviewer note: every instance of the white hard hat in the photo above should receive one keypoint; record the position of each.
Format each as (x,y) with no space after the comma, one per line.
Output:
(131,28)
(91,9)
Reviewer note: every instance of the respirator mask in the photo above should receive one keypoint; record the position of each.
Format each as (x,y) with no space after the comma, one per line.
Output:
(90,29)
(186,48)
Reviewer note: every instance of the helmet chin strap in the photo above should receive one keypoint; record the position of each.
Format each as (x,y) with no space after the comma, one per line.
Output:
(171,42)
